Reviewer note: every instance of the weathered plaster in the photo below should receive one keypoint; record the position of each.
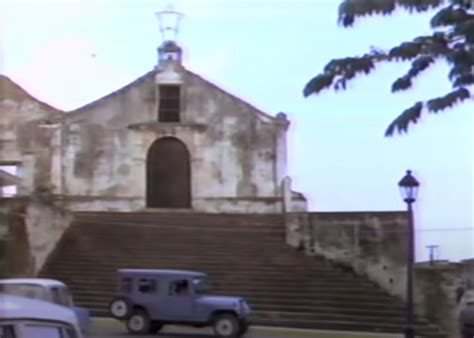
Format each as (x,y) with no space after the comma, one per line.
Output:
(34,229)
(374,244)
(3,237)
(20,137)
(371,243)
(435,291)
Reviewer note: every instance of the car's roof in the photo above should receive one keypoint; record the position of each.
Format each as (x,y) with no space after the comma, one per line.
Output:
(17,307)
(36,281)
(161,272)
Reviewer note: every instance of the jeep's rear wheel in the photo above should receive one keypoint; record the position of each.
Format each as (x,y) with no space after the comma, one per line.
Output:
(226,325)
(139,322)
(120,308)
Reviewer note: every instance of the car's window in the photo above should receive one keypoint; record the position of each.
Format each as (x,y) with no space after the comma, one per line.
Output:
(179,288)
(126,285)
(26,290)
(41,331)
(201,285)
(6,331)
(69,332)
(146,285)
(61,296)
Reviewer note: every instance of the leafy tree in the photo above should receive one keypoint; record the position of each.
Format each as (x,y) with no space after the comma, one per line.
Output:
(452,40)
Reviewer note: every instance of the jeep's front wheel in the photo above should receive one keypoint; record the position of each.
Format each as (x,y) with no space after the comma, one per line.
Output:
(120,308)
(139,322)
(226,325)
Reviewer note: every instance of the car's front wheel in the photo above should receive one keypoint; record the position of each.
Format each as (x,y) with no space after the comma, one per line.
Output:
(139,322)
(226,325)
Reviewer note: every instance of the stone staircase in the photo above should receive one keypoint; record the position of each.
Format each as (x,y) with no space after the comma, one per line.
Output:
(244,255)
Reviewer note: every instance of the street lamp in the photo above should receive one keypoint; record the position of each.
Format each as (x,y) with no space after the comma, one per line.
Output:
(409,189)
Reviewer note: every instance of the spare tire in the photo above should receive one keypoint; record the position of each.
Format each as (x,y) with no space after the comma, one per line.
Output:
(120,308)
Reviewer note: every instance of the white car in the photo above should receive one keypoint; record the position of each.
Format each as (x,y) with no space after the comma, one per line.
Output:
(49,290)
(22,317)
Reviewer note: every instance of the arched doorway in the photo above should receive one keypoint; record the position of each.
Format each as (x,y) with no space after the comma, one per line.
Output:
(168,174)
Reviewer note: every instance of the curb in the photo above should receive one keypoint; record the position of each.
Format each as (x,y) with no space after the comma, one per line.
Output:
(110,323)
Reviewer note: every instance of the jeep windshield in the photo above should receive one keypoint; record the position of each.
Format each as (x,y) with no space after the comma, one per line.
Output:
(201,285)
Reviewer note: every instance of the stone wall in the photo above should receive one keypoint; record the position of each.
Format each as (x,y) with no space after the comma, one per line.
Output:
(19,259)
(374,244)
(35,227)
(436,295)
(3,236)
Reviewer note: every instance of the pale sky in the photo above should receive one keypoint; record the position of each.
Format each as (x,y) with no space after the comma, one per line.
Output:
(69,53)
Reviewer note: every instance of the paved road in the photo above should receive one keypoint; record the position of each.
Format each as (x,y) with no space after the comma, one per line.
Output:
(191,333)
(113,329)
(110,333)
(184,333)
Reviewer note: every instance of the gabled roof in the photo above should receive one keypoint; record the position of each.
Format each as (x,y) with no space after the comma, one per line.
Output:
(7,179)
(9,90)
(150,75)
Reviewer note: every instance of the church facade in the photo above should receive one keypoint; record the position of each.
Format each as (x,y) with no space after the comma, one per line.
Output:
(168,140)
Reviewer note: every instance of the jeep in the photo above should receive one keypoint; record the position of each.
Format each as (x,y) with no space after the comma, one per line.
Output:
(149,299)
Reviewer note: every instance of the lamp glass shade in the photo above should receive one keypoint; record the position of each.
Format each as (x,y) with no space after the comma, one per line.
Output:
(409,187)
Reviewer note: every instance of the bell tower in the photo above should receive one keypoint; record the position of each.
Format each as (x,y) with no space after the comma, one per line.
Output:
(169,52)
(169,79)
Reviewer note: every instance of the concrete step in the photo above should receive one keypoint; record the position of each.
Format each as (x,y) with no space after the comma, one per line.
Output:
(235,287)
(283,298)
(244,256)
(100,228)
(214,265)
(94,225)
(193,218)
(243,277)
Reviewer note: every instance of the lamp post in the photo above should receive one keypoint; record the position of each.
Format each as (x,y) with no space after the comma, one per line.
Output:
(409,189)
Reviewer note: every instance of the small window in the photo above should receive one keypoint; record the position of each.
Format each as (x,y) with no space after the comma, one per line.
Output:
(61,296)
(41,331)
(126,285)
(179,288)
(6,331)
(69,332)
(146,285)
(169,105)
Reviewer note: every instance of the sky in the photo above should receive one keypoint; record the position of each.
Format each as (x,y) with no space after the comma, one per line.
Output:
(69,52)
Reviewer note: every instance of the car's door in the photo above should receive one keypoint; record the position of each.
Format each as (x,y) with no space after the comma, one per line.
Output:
(177,303)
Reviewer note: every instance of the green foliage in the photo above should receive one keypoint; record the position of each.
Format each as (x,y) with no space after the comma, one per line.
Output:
(452,40)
